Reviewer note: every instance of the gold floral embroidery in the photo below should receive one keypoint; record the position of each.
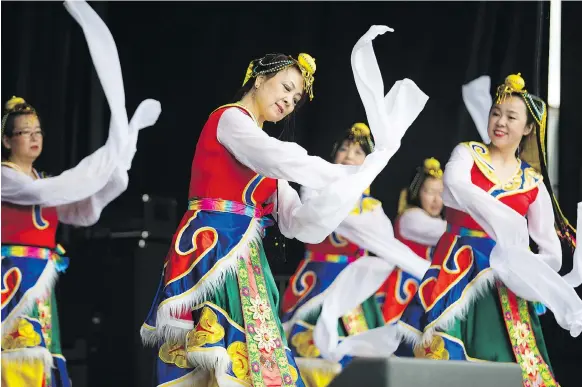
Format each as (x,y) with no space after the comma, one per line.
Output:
(435,351)
(525,179)
(239,355)
(260,309)
(173,354)
(514,183)
(521,333)
(304,344)
(45,318)
(207,331)
(24,336)
(532,177)
(530,362)
(265,338)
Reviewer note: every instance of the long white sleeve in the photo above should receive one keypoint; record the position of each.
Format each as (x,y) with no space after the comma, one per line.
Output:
(418,226)
(88,178)
(272,158)
(86,212)
(334,198)
(373,231)
(575,276)
(397,110)
(540,223)
(389,118)
(81,193)
(477,97)
(530,276)
(525,273)
(75,184)
(313,216)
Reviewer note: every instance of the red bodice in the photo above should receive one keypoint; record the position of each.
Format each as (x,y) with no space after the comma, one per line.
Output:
(518,199)
(29,225)
(218,174)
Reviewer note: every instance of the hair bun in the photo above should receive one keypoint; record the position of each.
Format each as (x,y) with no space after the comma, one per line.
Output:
(12,102)
(432,164)
(359,129)
(307,62)
(433,167)
(515,82)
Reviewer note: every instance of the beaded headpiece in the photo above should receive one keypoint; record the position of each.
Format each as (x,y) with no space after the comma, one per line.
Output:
(430,168)
(515,84)
(533,147)
(14,105)
(305,62)
(359,133)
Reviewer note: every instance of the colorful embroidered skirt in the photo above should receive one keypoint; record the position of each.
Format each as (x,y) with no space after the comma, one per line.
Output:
(395,294)
(301,309)
(461,313)
(215,317)
(31,349)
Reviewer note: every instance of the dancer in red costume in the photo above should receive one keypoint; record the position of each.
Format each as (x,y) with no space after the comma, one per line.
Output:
(33,205)
(419,226)
(214,318)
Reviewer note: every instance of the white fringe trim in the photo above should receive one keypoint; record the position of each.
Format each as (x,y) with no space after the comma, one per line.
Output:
(458,311)
(408,335)
(165,329)
(28,355)
(318,364)
(44,285)
(211,359)
(175,330)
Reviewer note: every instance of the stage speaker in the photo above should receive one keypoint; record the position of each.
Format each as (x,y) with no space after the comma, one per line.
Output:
(408,372)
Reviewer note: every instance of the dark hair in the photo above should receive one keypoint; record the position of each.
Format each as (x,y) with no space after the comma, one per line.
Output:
(428,169)
(530,120)
(268,67)
(414,197)
(348,135)
(564,229)
(9,117)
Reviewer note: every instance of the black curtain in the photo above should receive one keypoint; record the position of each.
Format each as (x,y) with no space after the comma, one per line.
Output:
(192,57)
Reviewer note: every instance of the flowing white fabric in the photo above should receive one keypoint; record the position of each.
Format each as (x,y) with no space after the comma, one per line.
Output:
(356,283)
(63,191)
(574,278)
(417,225)
(369,273)
(359,281)
(80,193)
(477,98)
(273,158)
(337,187)
(373,232)
(531,276)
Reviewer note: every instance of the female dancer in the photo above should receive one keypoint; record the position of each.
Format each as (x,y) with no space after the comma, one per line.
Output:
(419,226)
(214,316)
(33,205)
(473,302)
(322,263)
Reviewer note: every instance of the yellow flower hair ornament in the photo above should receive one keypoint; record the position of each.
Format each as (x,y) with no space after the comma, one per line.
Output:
(432,167)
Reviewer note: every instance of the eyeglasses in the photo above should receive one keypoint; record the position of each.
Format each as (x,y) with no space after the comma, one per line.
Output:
(29,133)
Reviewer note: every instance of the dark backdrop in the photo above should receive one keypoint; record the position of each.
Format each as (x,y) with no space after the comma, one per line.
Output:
(192,57)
